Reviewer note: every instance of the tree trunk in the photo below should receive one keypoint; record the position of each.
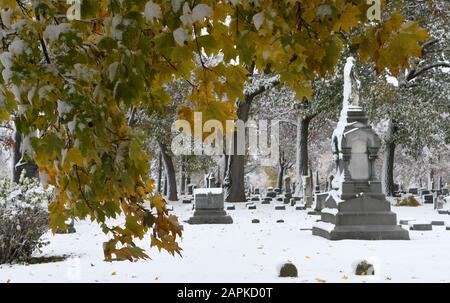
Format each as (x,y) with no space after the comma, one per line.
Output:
(31,169)
(235,172)
(170,173)
(159,187)
(280,177)
(388,159)
(301,163)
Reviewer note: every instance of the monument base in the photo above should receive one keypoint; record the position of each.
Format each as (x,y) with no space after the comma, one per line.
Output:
(210,216)
(360,232)
(365,217)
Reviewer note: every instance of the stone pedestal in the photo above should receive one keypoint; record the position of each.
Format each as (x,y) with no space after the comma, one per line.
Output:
(356,208)
(209,207)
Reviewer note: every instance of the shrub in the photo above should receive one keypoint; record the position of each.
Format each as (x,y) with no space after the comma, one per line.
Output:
(23,219)
(409,201)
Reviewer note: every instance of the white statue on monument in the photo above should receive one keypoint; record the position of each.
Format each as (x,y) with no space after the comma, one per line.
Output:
(351,84)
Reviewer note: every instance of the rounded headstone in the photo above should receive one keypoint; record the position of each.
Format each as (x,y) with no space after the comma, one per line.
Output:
(288,270)
(364,268)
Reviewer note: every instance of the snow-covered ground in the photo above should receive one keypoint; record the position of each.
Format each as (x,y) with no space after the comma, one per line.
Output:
(246,252)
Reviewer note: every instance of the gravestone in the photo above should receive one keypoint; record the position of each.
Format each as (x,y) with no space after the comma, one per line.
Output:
(209,207)
(317,186)
(307,191)
(319,199)
(425,192)
(428,198)
(439,203)
(256,191)
(430,180)
(287,184)
(70,228)
(413,190)
(211,181)
(422,226)
(277,191)
(271,194)
(190,189)
(356,207)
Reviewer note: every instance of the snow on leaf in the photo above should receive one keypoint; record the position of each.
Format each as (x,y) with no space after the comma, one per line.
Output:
(186,18)
(152,11)
(258,20)
(201,11)
(52,32)
(180,35)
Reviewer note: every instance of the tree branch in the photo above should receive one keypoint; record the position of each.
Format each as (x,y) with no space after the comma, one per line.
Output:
(414,74)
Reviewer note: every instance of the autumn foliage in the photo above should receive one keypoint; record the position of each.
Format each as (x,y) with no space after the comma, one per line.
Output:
(70,82)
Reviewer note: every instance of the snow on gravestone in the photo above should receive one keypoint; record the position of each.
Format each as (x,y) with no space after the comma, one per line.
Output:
(209,207)
(356,208)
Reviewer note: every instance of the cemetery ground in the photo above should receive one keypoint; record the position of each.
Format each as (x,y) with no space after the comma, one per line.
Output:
(249,252)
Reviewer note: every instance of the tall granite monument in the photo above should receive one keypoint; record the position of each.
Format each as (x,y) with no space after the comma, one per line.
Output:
(356,208)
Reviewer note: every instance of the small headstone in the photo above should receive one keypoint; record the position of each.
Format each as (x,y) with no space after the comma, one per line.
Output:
(187,201)
(266,201)
(251,206)
(287,184)
(255,221)
(280,199)
(314,213)
(280,207)
(288,270)
(422,226)
(255,199)
(271,194)
(413,190)
(70,228)
(280,221)
(439,202)
(438,223)
(230,207)
(443,212)
(405,221)
(256,191)
(190,189)
(428,198)
(169,207)
(319,199)
(300,207)
(292,202)
(425,192)
(277,190)
(364,268)
(209,207)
